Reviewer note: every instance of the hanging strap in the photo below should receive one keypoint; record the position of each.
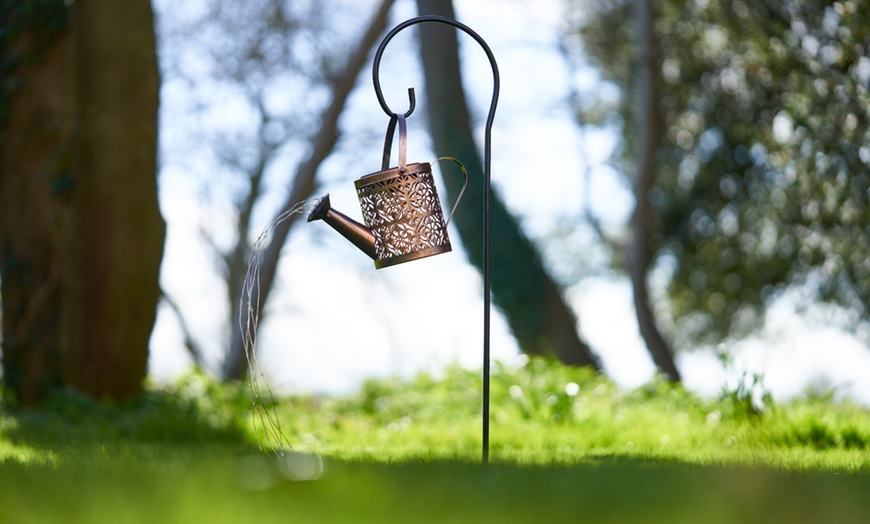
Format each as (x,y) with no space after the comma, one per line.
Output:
(403,142)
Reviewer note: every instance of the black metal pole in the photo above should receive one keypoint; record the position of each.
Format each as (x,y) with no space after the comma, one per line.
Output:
(487,156)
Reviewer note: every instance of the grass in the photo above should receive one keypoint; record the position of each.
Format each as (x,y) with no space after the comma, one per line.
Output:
(566,444)
(543,413)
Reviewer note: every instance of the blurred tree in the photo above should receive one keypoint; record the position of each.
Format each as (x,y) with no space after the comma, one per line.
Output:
(34,165)
(532,302)
(650,127)
(276,46)
(82,236)
(763,170)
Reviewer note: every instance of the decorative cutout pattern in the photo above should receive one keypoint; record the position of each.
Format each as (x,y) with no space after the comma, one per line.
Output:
(404,214)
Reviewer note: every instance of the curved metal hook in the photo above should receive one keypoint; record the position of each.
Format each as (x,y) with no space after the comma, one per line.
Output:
(412,103)
(411,97)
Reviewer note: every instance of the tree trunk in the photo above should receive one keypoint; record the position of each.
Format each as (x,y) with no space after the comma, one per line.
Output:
(34,170)
(116,232)
(650,130)
(532,302)
(81,233)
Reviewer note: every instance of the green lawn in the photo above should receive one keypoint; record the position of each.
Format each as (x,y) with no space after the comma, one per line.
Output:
(606,490)
(566,444)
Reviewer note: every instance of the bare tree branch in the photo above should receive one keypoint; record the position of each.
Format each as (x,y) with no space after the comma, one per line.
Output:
(190,344)
(303,183)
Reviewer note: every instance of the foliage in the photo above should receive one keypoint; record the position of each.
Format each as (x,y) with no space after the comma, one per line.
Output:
(764,180)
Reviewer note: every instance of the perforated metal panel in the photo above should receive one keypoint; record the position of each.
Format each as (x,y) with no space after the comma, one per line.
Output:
(402,209)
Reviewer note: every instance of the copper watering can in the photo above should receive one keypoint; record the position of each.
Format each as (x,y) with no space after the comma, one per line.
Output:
(400,206)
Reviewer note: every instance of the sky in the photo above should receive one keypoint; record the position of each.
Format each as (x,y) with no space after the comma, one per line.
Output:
(335,321)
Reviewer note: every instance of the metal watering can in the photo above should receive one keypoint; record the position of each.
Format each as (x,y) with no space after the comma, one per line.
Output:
(400,206)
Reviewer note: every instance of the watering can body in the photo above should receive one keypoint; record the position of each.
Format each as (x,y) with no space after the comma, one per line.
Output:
(402,213)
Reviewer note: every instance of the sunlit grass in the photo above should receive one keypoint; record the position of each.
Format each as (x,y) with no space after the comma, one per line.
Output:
(543,413)
(565,443)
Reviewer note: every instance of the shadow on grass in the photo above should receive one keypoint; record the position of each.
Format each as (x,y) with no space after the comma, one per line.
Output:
(606,489)
(603,490)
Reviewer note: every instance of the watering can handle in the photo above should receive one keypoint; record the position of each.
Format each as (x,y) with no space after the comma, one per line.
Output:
(403,146)
(461,191)
(403,142)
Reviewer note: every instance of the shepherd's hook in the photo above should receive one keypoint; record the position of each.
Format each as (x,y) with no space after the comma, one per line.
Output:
(487,154)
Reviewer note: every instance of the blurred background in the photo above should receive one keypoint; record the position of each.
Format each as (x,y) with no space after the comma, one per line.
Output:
(680,188)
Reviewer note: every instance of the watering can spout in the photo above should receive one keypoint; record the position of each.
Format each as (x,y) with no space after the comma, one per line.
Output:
(358,234)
